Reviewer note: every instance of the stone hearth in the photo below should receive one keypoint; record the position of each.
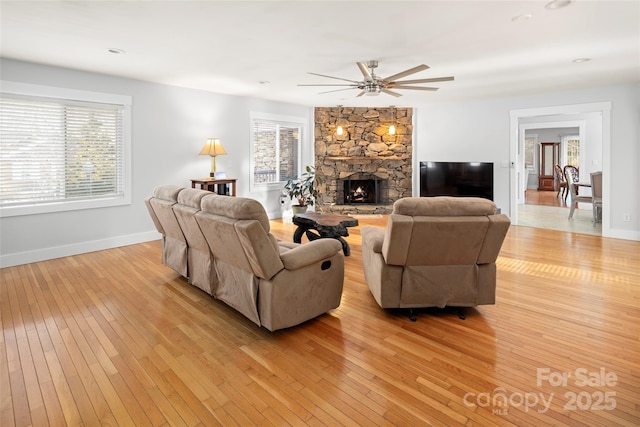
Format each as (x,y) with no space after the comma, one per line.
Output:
(364,149)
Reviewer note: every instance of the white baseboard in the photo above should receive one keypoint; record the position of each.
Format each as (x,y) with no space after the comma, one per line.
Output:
(11,260)
(616,233)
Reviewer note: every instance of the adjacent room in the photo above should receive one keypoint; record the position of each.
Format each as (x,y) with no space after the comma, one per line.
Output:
(372,213)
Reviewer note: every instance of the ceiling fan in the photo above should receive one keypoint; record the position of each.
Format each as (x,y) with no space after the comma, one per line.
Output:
(374,85)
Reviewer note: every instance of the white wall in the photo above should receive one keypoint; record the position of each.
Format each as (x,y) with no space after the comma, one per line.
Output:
(170,126)
(480,131)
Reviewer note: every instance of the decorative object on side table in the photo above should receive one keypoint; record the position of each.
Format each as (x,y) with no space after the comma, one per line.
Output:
(213,147)
(304,189)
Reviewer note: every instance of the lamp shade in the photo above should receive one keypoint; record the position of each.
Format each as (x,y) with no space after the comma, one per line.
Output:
(213,147)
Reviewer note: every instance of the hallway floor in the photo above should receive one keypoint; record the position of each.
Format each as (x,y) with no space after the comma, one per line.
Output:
(543,209)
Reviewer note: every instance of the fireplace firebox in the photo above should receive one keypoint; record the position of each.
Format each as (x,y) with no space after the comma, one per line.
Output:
(362,189)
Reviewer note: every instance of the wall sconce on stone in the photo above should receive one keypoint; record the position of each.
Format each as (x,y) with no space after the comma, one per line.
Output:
(392,128)
(339,130)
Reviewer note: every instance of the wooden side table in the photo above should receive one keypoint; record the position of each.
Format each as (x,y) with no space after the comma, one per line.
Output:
(327,225)
(214,185)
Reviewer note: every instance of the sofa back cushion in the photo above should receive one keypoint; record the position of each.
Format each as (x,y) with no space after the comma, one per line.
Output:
(161,209)
(166,193)
(237,231)
(237,208)
(164,197)
(185,211)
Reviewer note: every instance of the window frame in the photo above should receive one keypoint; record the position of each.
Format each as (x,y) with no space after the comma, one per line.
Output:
(279,119)
(53,94)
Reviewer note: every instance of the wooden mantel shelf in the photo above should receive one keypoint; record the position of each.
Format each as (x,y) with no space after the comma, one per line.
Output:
(361,158)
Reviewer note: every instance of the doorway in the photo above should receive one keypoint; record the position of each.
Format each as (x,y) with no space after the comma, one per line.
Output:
(552,117)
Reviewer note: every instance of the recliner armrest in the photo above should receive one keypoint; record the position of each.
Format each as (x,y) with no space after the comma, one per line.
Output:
(374,237)
(310,253)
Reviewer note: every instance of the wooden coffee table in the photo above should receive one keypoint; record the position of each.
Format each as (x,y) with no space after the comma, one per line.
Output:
(327,226)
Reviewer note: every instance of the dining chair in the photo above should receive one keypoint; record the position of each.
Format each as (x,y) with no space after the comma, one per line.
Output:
(562,183)
(596,196)
(576,174)
(572,184)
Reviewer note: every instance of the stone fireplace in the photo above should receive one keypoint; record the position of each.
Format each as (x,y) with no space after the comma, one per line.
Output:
(365,169)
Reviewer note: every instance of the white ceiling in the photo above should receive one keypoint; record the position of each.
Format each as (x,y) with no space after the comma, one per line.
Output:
(231,46)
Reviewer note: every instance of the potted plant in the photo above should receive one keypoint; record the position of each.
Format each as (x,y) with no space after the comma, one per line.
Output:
(304,189)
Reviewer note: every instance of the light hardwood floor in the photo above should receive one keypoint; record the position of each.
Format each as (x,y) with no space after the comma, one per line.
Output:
(115,338)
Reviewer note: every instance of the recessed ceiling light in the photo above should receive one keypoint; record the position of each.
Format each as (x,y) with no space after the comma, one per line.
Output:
(558,4)
(523,17)
(116,51)
(581,60)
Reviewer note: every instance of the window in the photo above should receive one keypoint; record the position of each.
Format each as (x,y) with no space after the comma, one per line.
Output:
(529,144)
(62,149)
(572,149)
(275,148)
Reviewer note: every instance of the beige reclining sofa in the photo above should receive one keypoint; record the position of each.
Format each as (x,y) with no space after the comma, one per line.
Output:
(435,252)
(223,245)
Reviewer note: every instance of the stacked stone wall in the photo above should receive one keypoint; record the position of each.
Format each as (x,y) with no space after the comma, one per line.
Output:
(366,146)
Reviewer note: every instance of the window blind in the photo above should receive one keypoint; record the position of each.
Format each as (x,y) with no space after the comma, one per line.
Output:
(59,150)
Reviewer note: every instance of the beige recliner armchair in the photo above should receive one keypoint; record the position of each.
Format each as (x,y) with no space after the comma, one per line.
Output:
(435,252)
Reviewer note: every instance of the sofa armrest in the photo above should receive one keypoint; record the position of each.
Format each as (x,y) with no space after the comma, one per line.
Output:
(310,253)
(374,236)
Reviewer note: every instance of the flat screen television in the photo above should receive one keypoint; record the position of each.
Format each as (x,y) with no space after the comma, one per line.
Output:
(456,179)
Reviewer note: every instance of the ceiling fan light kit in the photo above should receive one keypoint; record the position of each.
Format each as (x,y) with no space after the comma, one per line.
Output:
(373,85)
(372,90)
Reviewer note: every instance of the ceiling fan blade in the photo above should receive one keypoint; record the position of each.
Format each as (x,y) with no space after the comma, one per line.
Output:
(415,88)
(338,90)
(406,73)
(365,71)
(392,93)
(360,94)
(432,80)
(331,77)
(352,85)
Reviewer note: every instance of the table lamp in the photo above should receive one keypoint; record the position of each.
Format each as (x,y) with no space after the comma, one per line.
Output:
(213,147)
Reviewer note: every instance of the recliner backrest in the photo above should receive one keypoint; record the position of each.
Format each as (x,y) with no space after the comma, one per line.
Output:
(443,231)
(188,203)
(160,207)
(163,195)
(237,231)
